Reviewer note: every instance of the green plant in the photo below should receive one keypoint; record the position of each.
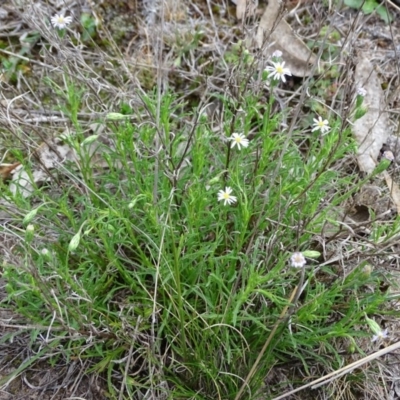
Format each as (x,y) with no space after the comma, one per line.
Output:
(369,6)
(12,64)
(140,257)
(89,27)
(177,245)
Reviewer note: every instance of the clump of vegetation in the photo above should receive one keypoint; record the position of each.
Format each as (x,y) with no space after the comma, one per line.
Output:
(178,250)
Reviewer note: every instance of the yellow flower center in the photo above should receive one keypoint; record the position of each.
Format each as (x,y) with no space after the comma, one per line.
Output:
(279,69)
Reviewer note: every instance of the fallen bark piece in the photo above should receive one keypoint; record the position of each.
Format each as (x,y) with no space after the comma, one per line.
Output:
(372,130)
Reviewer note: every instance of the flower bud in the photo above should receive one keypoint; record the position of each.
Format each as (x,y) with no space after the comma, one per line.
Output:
(74,243)
(29,217)
(311,254)
(360,112)
(374,326)
(89,140)
(29,232)
(30,228)
(116,116)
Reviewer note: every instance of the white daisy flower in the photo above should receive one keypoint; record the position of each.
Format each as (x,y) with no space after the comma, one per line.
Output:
(226,196)
(380,335)
(321,125)
(361,91)
(238,139)
(60,22)
(278,71)
(297,260)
